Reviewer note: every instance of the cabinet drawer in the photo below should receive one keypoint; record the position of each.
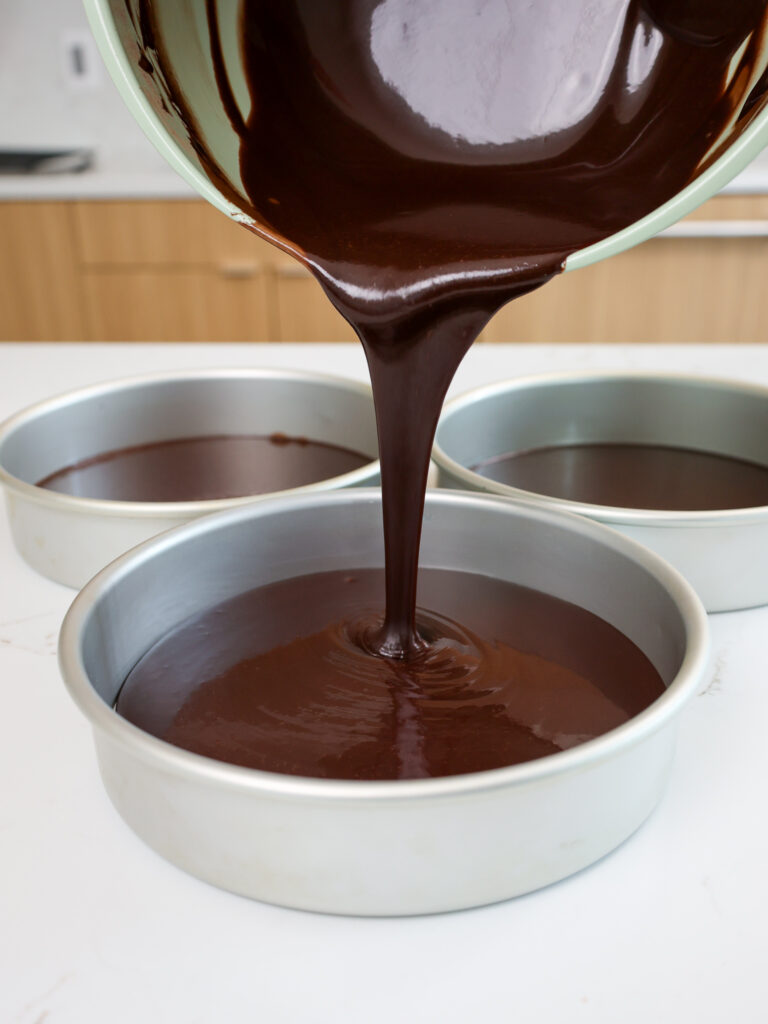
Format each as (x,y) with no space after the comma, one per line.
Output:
(40,294)
(303,311)
(738,207)
(666,290)
(176,305)
(163,234)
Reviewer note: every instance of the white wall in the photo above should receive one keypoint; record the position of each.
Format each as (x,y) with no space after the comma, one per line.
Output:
(42,105)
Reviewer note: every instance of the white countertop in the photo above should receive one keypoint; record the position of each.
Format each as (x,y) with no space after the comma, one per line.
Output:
(163,183)
(150,182)
(143,174)
(96,928)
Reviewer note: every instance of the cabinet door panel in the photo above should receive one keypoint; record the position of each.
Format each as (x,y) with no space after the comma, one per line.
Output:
(176,305)
(181,270)
(40,293)
(667,290)
(164,233)
(744,207)
(303,311)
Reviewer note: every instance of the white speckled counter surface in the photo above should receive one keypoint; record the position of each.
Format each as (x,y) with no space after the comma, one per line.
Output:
(96,928)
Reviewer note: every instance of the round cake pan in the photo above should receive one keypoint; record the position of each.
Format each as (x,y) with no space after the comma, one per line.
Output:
(382,848)
(724,554)
(68,539)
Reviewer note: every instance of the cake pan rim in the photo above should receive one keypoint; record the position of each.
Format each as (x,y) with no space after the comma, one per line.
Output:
(169,758)
(168,509)
(606,514)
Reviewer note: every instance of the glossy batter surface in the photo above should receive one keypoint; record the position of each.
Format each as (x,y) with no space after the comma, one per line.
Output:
(633,476)
(280,679)
(204,468)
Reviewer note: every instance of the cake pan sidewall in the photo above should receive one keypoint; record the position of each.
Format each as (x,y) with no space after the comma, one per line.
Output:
(419,846)
(69,539)
(393,857)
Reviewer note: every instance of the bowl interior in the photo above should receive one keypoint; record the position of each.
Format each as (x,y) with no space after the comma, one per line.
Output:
(118,27)
(121,415)
(145,595)
(710,416)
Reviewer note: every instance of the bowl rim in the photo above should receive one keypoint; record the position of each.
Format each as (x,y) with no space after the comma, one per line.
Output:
(737,155)
(171,509)
(607,514)
(203,770)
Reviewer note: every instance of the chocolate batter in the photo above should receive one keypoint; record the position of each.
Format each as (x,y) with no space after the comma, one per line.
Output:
(203,468)
(633,476)
(278,679)
(430,161)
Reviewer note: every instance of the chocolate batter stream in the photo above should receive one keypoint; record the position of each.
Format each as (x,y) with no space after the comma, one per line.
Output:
(431,161)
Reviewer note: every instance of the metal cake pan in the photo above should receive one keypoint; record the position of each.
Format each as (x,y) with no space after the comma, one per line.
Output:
(68,539)
(382,848)
(724,554)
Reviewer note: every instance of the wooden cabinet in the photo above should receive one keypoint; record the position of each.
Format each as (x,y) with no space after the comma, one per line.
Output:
(40,295)
(703,282)
(163,234)
(303,310)
(167,271)
(175,304)
(666,290)
(182,271)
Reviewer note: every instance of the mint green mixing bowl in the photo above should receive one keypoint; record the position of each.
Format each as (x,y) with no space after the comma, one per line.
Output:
(185,31)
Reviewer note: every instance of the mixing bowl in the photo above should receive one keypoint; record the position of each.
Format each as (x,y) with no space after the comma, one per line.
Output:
(185,31)
(401,847)
(68,538)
